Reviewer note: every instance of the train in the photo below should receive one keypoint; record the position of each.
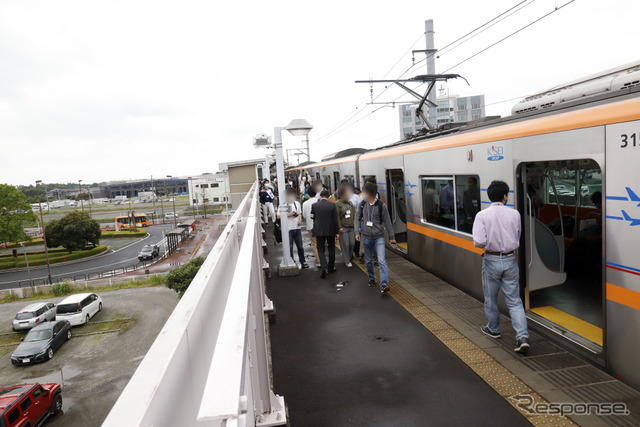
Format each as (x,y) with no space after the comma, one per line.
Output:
(567,154)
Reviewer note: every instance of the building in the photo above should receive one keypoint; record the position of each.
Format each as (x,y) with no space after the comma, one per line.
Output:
(241,177)
(410,122)
(449,109)
(161,186)
(209,188)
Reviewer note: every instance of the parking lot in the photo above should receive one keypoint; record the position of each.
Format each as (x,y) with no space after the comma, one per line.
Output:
(93,369)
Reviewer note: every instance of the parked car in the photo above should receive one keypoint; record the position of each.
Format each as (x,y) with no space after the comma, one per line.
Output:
(78,309)
(148,252)
(170,215)
(34,314)
(29,404)
(41,342)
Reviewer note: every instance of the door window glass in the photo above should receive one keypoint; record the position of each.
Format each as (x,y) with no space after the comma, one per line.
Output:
(468,201)
(13,416)
(25,404)
(37,393)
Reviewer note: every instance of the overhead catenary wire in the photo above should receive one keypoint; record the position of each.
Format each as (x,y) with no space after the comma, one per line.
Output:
(345,122)
(395,100)
(557,8)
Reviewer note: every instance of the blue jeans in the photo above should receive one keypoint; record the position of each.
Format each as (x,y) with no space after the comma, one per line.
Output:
(296,236)
(369,246)
(502,272)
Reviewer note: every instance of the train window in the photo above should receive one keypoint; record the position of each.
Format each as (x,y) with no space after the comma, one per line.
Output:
(351,179)
(451,201)
(438,205)
(468,197)
(370,178)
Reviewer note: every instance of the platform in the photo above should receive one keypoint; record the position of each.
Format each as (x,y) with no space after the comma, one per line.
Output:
(346,355)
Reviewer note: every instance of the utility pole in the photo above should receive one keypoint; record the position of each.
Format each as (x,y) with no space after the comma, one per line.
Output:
(26,259)
(431,69)
(204,202)
(80,194)
(155,194)
(308,152)
(44,234)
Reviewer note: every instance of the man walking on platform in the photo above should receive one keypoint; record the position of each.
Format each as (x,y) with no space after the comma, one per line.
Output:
(325,230)
(346,215)
(497,231)
(294,220)
(306,213)
(372,218)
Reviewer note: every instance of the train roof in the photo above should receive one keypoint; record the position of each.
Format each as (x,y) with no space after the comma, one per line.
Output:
(610,107)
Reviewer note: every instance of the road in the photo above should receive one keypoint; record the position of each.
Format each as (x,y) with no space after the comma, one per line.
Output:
(93,370)
(110,260)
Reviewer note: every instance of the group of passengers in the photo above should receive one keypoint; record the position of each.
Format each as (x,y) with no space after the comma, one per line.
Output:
(360,219)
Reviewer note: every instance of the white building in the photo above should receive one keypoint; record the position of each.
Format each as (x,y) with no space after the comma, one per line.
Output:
(208,189)
(450,109)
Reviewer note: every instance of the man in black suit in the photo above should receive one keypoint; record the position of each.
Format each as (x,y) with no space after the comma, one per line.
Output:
(325,230)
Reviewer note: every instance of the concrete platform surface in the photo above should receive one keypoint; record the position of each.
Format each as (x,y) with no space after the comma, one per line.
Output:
(349,356)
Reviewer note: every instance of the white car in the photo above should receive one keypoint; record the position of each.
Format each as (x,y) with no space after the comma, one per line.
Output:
(34,314)
(78,309)
(170,215)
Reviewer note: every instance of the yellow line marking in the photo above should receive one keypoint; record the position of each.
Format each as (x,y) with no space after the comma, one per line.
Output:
(197,247)
(571,323)
(503,381)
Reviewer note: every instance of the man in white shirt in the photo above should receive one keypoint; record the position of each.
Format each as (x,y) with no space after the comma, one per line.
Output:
(294,221)
(497,231)
(306,212)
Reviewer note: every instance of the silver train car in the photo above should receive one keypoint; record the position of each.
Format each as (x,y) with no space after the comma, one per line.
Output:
(573,169)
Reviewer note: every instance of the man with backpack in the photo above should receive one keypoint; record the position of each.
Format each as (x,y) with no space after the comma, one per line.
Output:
(371,221)
(266,199)
(294,221)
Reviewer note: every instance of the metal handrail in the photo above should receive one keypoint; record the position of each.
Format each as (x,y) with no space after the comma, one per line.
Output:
(209,364)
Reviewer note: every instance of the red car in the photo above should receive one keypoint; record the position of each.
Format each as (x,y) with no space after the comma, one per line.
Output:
(28,405)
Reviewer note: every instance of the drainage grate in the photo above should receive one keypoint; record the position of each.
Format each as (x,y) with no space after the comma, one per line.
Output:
(580,376)
(551,362)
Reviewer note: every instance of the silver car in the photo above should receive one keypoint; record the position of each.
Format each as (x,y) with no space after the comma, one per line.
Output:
(34,314)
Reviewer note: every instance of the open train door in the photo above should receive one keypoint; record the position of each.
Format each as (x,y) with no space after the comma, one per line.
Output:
(562,246)
(397,204)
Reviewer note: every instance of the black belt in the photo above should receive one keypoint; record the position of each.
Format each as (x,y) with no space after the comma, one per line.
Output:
(499,253)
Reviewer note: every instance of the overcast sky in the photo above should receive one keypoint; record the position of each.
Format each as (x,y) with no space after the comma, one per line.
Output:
(103,90)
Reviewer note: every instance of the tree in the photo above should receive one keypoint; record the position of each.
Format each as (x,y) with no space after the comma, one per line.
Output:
(180,278)
(73,232)
(15,211)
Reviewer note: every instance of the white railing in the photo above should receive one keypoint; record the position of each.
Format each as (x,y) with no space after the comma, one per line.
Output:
(209,364)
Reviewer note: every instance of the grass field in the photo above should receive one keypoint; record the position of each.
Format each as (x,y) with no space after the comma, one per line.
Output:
(63,289)
(39,258)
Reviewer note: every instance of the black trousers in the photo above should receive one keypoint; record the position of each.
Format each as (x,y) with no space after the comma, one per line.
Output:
(322,242)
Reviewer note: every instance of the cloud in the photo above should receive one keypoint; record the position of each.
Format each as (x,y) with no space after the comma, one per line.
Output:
(111,90)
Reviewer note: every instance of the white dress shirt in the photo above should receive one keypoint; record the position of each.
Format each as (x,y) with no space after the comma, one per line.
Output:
(306,212)
(497,229)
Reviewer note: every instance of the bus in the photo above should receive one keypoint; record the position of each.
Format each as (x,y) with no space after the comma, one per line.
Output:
(125,221)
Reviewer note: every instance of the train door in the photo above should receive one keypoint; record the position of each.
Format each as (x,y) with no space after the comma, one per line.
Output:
(561,206)
(397,204)
(336,181)
(327,182)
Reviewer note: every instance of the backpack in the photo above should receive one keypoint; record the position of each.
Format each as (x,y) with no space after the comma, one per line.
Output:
(378,203)
(277,231)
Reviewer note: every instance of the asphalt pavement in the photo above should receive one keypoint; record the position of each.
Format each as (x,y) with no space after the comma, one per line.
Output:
(93,370)
(110,260)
